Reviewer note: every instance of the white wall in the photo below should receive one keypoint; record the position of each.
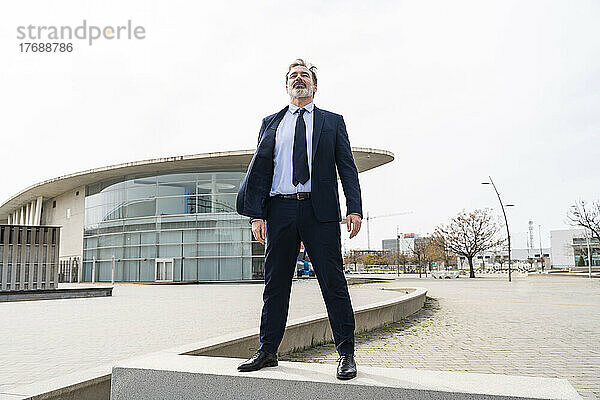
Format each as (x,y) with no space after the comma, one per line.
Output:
(561,242)
(71,234)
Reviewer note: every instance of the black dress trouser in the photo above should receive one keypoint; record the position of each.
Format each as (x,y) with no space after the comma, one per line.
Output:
(290,221)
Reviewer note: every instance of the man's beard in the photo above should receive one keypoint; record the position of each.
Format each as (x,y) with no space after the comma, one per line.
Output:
(298,93)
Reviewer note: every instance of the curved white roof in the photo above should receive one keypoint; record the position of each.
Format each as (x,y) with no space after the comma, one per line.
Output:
(365,159)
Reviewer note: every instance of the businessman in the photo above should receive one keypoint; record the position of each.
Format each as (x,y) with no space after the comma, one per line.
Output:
(290,192)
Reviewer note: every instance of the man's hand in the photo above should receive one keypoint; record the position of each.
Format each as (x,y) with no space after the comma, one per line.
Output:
(258,230)
(353,222)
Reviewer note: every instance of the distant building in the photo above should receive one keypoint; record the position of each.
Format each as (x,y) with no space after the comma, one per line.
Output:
(404,243)
(569,246)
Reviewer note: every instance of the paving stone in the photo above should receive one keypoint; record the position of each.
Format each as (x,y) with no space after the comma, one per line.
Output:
(534,326)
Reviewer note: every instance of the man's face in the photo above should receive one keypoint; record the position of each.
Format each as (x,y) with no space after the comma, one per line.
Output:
(300,83)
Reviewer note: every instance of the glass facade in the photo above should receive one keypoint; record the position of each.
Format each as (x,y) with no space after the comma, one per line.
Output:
(186,218)
(580,251)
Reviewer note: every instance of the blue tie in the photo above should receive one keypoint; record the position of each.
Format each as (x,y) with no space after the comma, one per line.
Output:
(300,157)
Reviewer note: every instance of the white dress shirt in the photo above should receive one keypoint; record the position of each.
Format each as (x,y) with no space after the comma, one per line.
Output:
(284,151)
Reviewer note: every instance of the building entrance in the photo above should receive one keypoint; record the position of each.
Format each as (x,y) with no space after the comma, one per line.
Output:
(163,271)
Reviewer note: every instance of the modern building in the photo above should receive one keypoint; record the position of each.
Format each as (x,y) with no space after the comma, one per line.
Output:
(166,219)
(570,248)
(404,243)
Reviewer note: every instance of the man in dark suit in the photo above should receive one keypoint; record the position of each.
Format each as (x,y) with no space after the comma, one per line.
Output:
(291,184)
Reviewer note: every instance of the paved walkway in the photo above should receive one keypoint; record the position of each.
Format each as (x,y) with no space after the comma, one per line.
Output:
(47,338)
(535,326)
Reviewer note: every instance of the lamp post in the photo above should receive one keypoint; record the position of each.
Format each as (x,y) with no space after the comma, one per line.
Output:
(491,182)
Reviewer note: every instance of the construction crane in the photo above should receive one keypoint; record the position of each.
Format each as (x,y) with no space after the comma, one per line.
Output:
(368,218)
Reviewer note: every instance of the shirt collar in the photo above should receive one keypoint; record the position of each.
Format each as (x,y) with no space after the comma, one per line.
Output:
(309,107)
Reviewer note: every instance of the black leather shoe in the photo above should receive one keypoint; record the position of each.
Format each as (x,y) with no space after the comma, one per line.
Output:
(346,367)
(259,360)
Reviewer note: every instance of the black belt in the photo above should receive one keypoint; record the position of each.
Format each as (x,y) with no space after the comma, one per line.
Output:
(295,196)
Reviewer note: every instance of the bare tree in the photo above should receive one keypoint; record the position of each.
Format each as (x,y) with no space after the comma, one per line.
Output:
(469,234)
(587,216)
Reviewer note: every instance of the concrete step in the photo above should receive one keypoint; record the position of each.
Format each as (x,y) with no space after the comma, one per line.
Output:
(168,376)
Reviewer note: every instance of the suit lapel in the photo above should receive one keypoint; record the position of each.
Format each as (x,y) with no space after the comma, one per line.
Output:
(277,119)
(317,127)
(267,141)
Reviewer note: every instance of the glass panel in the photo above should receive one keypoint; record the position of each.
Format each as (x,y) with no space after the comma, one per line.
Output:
(89,243)
(93,215)
(145,224)
(147,270)
(246,268)
(203,204)
(231,235)
(207,269)
(131,270)
(111,227)
(141,191)
(190,236)
(113,197)
(148,252)
(111,212)
(258,249)
(110,240)
(168,251)
(148,237)
(177,189)
(208,249)
(169,269)
(176,269)
(131,252)
(140,208)
(93,201)
(231,249)
(177,221)
(190,250)
(108,253)
(204,187)
(175,205)
(103,271)
(110,184)
(258,268)
(132,238)
(224,203)
(88,255)
(190,269)
(170,236)
(208,235)
(230,269)
(205,221)
(227,186)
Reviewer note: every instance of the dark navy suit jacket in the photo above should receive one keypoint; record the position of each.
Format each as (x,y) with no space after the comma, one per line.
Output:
(330,149)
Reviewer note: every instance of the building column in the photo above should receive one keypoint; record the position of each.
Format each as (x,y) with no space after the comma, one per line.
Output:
(22,216)
(38,211)
(27,213)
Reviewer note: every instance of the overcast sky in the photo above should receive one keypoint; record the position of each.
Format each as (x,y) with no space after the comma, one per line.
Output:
(456,90)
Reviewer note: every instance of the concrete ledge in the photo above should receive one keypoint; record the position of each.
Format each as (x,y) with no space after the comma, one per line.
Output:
(310,331)
(359,280)
(52,294)
(167,377)
(95,383)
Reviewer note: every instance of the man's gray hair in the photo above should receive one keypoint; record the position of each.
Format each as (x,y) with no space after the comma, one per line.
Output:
(300,62)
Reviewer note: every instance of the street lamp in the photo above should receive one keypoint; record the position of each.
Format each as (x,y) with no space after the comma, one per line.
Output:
(491,182)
